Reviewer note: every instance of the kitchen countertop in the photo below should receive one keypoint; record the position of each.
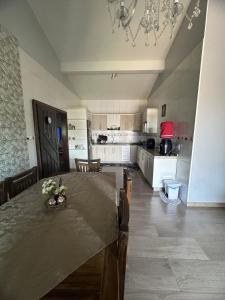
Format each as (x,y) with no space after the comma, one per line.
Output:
(117,144)
(155,153)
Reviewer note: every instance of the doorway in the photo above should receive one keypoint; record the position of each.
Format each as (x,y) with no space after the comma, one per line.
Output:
(51,135)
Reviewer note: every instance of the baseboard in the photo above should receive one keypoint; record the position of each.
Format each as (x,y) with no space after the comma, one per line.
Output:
(205,204)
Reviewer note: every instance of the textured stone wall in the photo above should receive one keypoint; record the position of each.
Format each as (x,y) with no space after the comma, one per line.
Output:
(13,145)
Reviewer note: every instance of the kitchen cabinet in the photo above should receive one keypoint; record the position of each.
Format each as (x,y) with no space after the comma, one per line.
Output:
(114,153)
(127,122)
(148,172)
(99,122)
(125,153)
(77,134)
(133,154)
(138,122)
(113,121)
(150,120)
(131,122)
(139,157)
(155,168)
(78,114)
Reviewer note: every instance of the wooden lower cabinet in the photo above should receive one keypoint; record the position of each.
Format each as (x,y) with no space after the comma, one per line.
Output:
(97,279)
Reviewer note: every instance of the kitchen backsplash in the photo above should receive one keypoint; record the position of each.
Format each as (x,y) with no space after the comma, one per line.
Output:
(118,136)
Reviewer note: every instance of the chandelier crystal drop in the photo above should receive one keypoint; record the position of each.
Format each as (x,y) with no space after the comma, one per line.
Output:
(157,16)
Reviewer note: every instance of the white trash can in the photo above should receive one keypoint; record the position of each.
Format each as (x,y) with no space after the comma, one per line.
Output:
(172,189)
(166,182)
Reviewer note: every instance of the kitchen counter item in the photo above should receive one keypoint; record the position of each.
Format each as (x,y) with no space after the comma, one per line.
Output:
(102,139)
(167,131)
(166,147)
(150,143)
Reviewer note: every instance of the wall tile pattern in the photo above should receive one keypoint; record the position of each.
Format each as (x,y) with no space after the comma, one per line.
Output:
(13,145)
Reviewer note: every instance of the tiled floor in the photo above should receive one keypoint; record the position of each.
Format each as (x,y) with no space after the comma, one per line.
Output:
(174,253)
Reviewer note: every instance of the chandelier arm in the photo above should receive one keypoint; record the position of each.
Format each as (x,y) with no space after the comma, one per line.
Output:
(112,19)
(157,17)
(138,29)
(132,37)
(127,23)
(156,40)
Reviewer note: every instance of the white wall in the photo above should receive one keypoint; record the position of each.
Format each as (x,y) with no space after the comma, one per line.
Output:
(115,106)
(179,92)
(207,177)
(19,19)
(41,85)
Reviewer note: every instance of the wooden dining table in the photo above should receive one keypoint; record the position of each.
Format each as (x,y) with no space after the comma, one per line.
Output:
(41,247)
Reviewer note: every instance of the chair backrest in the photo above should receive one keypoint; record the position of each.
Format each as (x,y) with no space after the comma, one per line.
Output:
(128,184)
(3,193)
(21,182)
(123,241)
(83,165)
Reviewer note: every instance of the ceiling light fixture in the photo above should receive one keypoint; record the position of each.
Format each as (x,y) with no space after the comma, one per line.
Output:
(157,16)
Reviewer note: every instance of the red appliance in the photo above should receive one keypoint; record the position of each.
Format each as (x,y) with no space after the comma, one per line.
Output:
(167,131)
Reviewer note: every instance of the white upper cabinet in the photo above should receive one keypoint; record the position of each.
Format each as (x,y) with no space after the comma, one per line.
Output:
(77,114)
(150,120)
(113,121)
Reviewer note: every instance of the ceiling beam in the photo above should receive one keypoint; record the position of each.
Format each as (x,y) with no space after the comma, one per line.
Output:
(139,66)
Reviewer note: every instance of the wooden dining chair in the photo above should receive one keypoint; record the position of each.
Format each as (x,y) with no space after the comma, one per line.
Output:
(123,218)
(84,165)
(3,193)
(128,184)
(21,182)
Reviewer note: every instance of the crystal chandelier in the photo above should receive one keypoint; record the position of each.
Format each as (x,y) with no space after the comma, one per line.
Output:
(157,16)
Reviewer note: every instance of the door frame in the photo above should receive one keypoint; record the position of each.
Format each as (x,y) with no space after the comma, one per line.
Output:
(35,104)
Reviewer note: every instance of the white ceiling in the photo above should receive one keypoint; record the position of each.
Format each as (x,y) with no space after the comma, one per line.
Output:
(101,86)
(80,31)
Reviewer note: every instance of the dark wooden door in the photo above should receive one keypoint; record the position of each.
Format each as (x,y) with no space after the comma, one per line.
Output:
(51,139)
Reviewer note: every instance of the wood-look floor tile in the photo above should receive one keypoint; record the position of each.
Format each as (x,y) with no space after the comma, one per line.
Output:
(191,229)
(188,237)
(150,274)
(141,295)
(148,231)
(191,296)
(213,247)
(163,295)
(199,276)
(156,247)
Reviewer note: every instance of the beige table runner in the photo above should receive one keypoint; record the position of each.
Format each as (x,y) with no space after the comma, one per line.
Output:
(40,248)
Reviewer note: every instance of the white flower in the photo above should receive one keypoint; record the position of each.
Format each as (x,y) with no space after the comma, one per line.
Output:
(50,187)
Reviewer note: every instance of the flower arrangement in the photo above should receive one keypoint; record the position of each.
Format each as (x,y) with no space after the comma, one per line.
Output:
(55,192)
